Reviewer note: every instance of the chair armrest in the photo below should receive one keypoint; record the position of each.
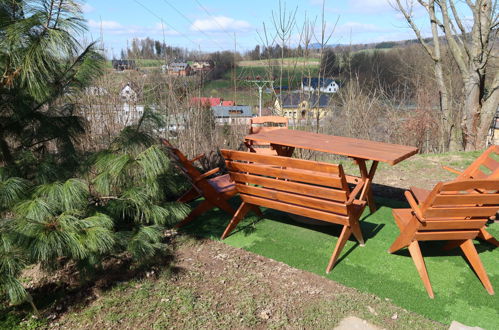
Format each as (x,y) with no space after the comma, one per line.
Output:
(198,157)
(207,174)
(362,185)
(450,169)
(414,206)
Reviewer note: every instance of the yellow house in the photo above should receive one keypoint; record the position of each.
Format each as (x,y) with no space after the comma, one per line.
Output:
(299,106)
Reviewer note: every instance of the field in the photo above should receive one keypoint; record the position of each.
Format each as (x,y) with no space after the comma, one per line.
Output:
(247,93)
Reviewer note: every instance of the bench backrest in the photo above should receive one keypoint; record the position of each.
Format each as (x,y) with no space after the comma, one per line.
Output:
(312,189)
(463,204)
(484,167)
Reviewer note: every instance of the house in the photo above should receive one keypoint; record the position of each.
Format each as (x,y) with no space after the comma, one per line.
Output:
(210,101)
(128,93)
(203,66)
(325,85)
(179,69)
(299,106)
(232,115)
(120,65)
(493,136)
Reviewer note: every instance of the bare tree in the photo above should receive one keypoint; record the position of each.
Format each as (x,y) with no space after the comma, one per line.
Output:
(472,50)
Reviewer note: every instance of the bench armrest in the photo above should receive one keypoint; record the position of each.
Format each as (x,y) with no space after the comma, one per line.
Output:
(362,185)
(198,157)
(450,169)
(414,206)
(207,174)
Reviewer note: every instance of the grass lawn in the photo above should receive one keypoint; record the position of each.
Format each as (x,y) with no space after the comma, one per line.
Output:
(459,295)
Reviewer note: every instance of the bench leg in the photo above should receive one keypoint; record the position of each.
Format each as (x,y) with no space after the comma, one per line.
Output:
(200,209)
(417,257)
(470,252)
(485,235)
(345,234)
(240,213)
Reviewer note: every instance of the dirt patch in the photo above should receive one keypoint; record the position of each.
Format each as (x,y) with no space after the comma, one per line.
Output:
(216,285)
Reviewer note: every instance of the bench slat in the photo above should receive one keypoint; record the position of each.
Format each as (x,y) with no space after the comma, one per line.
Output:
(295,187)
(284,197)
(295,209)
(283,161)
(322,179)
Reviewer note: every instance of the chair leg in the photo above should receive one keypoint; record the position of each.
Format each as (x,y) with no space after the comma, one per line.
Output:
(470,252)
(240,213)
(486,236)
(224,205)
(345,234)
(406,236)
(189,195)
(200,209)
(417,257)
(357,232)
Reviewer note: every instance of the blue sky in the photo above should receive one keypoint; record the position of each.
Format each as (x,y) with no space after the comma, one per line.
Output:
(209,25)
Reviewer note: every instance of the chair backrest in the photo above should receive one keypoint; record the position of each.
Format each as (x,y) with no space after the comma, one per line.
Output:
(182,162)
(484,167)
(312,189)
(267,123)
(463,204)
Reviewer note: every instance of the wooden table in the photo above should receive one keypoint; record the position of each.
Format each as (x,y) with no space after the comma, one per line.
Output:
(284,141)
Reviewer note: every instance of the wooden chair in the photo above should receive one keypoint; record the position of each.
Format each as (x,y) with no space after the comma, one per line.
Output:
(476,169)
(216,191)
(306,188)
(265,124)
(455,211)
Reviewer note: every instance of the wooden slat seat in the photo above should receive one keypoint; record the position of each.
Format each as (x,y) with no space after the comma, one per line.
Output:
(222,183)
(306,188)
(215,191)
(455,211)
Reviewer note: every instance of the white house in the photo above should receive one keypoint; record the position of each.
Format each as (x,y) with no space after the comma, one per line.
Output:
(325,85)
(128,94)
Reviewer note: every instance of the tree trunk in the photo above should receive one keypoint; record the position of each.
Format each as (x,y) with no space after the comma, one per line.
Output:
(472,112)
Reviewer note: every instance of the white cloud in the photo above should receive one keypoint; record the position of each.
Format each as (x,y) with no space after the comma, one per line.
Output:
(86,8)
(106,25)
(220,23)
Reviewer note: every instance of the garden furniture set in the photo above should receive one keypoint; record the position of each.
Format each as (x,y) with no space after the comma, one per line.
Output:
(266,176)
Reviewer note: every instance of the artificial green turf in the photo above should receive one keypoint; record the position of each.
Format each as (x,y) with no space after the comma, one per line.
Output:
(459,294)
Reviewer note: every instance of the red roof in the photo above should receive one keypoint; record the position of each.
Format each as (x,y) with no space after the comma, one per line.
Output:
(211,101)
(206,101)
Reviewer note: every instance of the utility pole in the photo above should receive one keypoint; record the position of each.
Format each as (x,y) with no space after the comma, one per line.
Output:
(260,84)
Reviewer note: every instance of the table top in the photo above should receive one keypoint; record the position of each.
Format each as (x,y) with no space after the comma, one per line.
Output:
(345,146)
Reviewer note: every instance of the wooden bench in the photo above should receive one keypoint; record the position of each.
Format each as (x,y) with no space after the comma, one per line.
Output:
(215,191)
(305,188)
(455,211)
(265,124)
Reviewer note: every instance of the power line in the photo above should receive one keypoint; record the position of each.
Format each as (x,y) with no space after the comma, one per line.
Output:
(163,21)
(192,24)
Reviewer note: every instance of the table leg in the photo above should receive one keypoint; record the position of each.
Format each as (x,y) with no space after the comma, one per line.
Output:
(368,175)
